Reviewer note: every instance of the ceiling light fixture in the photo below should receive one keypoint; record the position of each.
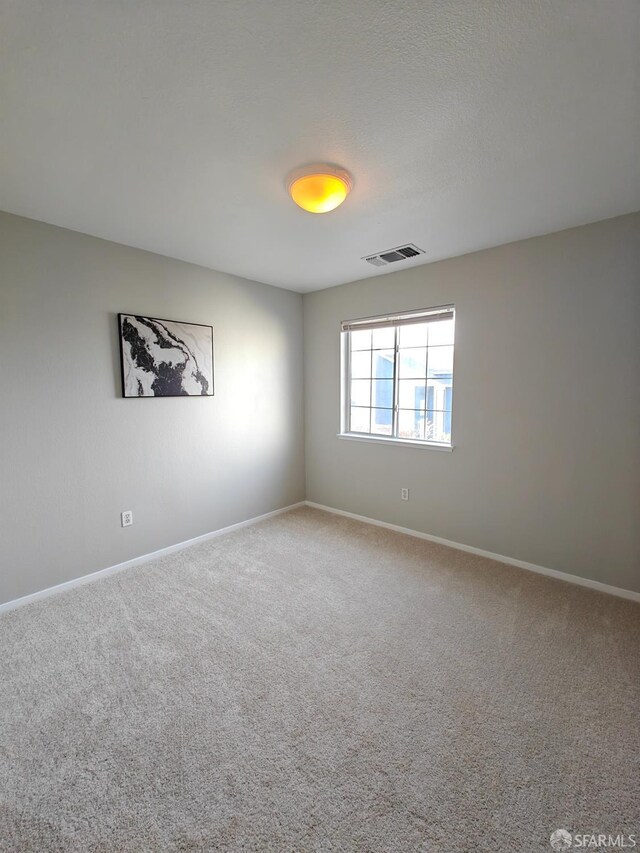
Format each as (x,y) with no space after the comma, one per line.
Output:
(319,188)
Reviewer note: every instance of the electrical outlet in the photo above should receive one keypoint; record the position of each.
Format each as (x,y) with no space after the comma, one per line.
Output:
(404,494)
(127,518)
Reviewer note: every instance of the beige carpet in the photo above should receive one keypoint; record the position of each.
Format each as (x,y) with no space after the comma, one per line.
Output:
(317,684)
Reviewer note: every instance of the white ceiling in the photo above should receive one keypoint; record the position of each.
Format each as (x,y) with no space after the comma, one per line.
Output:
(171,124)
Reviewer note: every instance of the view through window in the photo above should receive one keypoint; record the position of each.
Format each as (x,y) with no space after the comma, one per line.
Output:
(398,376)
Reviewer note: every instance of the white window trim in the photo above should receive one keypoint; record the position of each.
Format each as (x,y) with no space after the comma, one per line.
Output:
(370,322)
(402,442)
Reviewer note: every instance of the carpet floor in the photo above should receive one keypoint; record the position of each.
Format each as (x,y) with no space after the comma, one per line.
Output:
(313,683)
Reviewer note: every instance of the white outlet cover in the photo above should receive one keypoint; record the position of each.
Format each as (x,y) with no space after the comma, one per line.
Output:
(126,518)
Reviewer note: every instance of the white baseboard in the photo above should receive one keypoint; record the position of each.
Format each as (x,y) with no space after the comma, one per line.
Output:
(162,552)
(510,561)
(136,561)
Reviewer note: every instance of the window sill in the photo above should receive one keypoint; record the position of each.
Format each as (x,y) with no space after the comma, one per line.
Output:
(398,442)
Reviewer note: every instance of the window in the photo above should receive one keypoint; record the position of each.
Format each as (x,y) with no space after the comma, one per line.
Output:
(397,376)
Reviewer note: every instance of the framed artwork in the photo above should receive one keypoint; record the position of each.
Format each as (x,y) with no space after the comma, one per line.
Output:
(165,358)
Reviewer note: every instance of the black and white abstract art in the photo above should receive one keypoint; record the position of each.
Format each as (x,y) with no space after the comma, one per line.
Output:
(164,358)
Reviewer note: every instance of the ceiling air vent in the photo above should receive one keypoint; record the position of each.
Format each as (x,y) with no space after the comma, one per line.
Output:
(390,256)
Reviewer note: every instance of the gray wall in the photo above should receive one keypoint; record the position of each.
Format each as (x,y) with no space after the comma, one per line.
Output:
(546,466)
(546,407)
(73,453)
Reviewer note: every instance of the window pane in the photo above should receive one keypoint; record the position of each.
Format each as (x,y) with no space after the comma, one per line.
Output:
(360,392)
(441,333)
(410,424)
(439,394)
(381,421)
(382,393)
(414,335)
(361,364)
(440,363)
(438,426)
(384,338)
(383,364)
(413,363)
(360,420)
(360,339)
(411,394)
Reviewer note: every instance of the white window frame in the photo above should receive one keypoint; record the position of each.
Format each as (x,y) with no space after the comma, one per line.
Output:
(385,321)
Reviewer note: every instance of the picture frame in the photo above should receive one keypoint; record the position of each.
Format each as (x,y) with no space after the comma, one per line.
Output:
(165,358)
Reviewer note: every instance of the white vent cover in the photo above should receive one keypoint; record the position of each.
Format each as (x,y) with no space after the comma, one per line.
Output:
(390,256)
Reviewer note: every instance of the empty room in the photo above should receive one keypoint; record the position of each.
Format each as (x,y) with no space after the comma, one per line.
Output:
(320,426)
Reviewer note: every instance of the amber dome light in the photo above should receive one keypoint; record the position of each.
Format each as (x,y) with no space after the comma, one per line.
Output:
(319,189)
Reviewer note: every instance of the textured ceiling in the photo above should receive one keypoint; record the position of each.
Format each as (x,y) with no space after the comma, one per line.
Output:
(171,124)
